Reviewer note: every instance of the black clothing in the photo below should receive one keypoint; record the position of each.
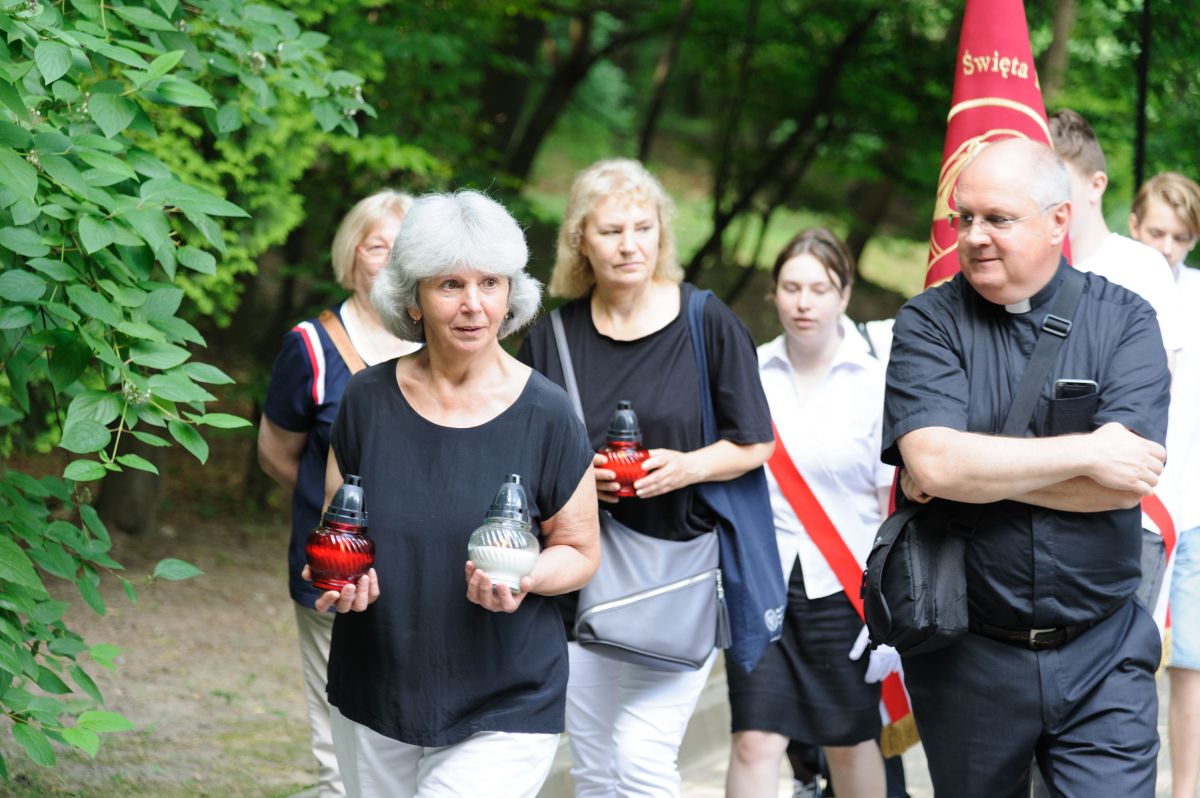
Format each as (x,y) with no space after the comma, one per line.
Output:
(1089,710)
(657,373)
(423,665)
(956,361)
(806,687)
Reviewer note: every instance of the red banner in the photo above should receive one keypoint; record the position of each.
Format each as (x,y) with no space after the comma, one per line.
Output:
(996,96)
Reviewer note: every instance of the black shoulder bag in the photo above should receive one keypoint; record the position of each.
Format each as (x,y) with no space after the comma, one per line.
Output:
(915,586)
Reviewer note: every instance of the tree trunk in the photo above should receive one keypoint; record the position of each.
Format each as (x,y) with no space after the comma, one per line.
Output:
(1143,85)
(826,91)
(1054,59)
(869,201)
(505,90)
(569,73)
(129,499)
(662,72)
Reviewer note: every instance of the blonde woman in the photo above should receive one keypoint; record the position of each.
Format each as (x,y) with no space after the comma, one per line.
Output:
(315,362)
(627,329)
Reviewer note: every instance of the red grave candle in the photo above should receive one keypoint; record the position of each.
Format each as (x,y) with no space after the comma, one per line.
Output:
(339,552)
(624,448)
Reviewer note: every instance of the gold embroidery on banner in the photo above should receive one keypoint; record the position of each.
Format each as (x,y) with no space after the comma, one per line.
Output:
(1001,102)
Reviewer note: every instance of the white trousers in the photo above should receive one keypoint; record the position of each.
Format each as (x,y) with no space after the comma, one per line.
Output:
(316,631)
(487,765)
(626,723)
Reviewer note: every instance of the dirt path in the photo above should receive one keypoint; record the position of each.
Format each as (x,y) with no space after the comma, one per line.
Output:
(209,672)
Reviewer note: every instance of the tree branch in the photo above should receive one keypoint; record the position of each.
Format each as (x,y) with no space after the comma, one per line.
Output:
(662,72)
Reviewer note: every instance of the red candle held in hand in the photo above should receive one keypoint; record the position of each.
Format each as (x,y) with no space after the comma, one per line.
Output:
(624,448)
(339,552)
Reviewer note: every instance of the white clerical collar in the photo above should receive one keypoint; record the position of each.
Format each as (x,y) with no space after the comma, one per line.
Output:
(1019,307)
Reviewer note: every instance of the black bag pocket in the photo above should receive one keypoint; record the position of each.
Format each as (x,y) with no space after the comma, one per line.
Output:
(1071,416)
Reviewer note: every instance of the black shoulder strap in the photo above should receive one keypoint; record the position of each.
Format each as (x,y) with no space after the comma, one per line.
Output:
(1055,329)
(862,330)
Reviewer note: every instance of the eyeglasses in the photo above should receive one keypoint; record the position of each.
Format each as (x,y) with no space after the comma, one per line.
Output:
(375,254)
(962,222)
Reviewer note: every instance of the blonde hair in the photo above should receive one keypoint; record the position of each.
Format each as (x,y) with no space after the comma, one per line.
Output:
(1179,193)
(353,229)
(617,177)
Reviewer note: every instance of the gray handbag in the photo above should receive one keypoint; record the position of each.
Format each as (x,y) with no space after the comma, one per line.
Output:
(657,603)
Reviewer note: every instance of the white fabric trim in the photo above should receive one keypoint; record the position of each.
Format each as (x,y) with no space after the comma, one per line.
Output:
(317,354)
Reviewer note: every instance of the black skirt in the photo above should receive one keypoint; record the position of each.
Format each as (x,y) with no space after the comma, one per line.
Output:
(806,687)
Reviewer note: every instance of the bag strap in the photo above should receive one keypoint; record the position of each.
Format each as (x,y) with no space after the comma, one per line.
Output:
(341,340)
(695,313)
(1055,329)
(862,330)
(568,367)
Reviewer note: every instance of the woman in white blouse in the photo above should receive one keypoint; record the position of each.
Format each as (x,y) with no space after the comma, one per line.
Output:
(825,390)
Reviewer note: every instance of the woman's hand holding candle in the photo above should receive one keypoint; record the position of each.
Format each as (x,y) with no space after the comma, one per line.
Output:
(352,597)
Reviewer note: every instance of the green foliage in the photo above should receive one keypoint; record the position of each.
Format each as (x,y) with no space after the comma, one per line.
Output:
(120,126)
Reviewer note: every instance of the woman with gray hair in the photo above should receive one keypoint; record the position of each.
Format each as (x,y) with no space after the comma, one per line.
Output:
(629,337)
(316,360)
(435,692)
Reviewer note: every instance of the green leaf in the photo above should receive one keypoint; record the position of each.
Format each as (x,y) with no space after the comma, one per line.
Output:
(130,590)
(187,435)
(17,173)
(15,565)
(86,436)
(101,721)
(108,163)
(158,356)
(209,228)
(84,739)
(53,60)
(23,241)
(48,680)
(64,172)
(94,234)
(55,560)
(54,269)
(197,259)
(136,329)
(35,743)
(92,519)
(91,595)
(15,136)
(21,286)
(50,611)
(68,362)
(173,569)
(153,440)
(203,372)
(166,62)
(112,112)
(8,416)
(224,421)
(140,463)
(80,677)
(13,101)
(84,471)
(327,114)
(229,118)
(178,92)
(187,197)
(143,17)
(14,317)
(93,304)
(147,164)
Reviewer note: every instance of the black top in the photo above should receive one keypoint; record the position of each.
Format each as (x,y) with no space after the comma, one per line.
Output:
(956,360)
(657,373)
(306,386)
(423,665)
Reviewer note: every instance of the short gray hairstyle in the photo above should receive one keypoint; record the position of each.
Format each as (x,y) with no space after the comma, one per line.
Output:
(443,232)
(1047,182)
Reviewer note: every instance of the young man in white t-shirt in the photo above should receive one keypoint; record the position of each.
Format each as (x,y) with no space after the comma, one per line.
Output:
(1166,216)
(1094,248)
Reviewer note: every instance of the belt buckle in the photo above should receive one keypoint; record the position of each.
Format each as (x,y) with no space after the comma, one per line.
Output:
(1033,633)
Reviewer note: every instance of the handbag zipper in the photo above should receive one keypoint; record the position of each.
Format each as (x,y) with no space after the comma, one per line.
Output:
(652,592)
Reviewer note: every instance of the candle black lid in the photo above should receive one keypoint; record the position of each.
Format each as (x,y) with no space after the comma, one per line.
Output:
(624,425)
(511,501)
(349,503)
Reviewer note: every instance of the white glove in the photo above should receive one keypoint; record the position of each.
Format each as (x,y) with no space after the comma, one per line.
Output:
(885,660)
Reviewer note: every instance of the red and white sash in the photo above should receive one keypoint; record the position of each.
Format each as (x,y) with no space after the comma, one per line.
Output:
(848,569)
(1155,517)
